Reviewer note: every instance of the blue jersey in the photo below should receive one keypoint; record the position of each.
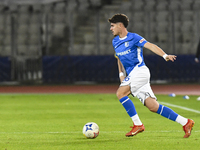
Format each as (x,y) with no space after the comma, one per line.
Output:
(129,50)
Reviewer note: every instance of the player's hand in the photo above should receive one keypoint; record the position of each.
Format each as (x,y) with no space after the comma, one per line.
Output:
(171,58)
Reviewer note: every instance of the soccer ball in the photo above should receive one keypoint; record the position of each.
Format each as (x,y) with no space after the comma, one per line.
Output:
(91,130)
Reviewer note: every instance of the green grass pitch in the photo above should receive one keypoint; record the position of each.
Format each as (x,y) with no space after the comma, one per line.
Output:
(55,122)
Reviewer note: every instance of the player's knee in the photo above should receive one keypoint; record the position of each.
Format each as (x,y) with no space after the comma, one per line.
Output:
(151,104)
(122,93)
(153,109)
(119,94)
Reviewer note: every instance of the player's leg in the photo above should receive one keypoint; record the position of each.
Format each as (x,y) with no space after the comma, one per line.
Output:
(166,112)
(136,79)
(122,94)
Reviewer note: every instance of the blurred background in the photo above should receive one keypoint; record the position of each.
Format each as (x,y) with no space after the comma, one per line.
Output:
(69,41)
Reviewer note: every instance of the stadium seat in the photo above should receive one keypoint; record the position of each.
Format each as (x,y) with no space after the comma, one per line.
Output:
(77,49)
(138,16)
(13,7)
(176,16)
(163,37)
(138,5)
(1,49)
(60,18)
(162,5)
(106,49)
(72,4)
(150,5)
(33,50)
(83,5)
(104,27)
(165,46)
(34,39)
(47,8)
(139,28)
(1,20)
(89,38)
(177,36)
(126,6)
(103,38)
(187,26)
(34,28)
(7,29)
(186,5)
(162,16)
(152,37)
(6,51)
(95,3)
(23,29)
(109,50)
(23,9)
(174,5)
(60,7)
(178,48)
(7,19)
(162,26)
(58,29)
(103,49)
(22,39)
(196,5)
(187,15)
(23,18)
(37,8)
(186,48)
(34,18)
(177,25)
(22,49)
(187,37)
(7,39)
(89,49)
(109,38)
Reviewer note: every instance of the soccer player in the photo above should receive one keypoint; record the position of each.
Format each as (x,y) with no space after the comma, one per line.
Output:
(135,76)
(197,53)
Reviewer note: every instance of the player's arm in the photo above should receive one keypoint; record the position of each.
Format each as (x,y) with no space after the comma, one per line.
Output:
(157,50)
(197,53)
(121,69)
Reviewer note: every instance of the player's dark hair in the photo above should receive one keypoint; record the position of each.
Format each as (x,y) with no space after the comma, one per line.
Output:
(119,18)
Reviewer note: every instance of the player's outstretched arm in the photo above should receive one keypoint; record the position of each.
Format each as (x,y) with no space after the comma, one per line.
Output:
(157,50)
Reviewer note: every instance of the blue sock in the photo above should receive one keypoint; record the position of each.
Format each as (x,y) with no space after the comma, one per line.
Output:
(167,112)
(128,105)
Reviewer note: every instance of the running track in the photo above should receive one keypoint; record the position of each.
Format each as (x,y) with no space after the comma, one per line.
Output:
(183,89)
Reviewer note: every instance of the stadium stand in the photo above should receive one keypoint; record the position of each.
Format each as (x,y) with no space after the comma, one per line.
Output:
(80,27)
(149,18)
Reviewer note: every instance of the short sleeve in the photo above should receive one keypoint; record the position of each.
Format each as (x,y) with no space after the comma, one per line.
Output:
(139,40)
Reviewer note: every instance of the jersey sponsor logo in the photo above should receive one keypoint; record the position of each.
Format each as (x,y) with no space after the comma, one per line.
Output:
(123,53)
(142,40)
(126,44)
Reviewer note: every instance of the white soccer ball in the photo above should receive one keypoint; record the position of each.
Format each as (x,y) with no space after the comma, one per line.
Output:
(198,98)
(91,130)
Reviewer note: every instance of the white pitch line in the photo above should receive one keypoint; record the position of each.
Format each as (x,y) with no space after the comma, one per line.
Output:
(75,132)
(181,107)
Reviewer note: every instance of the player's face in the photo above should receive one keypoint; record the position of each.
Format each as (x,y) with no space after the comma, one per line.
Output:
(115,28)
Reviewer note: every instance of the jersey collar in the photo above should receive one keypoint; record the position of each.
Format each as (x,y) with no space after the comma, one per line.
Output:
(123,37)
